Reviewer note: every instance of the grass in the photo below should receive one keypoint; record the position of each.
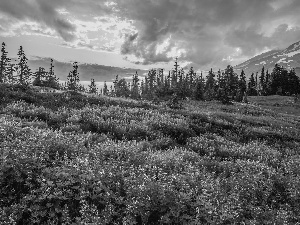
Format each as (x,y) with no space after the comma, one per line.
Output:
(96,160)
(276,103)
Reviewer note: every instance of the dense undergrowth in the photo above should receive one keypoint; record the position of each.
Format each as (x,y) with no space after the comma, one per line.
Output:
(68,158)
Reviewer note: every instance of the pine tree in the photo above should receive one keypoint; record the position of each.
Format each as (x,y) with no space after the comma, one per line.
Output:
(4,64)
(23,70)
(252,86)
(51,79)
(123,90)
(231,80)
(199,90)
(135,86)
(262,82)
(73,78)
(293,87)
(210,86)
(267,83)
(105,89)
(116,88)
(10,74)
(242,82)
(39,77)
(92,87)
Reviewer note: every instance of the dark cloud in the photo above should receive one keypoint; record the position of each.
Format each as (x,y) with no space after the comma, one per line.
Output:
(41,11)
(206,31)
(209,31)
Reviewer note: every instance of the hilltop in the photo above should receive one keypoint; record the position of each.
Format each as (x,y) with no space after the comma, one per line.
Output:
(288,58)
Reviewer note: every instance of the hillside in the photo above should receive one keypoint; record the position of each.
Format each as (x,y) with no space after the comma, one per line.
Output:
(288,58)
(70,158)
(100,73)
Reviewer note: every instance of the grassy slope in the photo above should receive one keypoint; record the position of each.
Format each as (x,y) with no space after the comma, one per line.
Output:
(276,103)
(114,161)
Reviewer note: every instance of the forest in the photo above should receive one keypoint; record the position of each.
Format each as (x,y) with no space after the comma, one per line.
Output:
(225,85)
(169,149)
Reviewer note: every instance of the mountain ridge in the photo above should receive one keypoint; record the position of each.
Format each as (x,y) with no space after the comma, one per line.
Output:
(86,71)
(288,58)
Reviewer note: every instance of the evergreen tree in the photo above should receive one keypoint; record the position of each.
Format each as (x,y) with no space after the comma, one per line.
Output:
(10,74)
(242,82)
(293,87)
(135,86)
(231,80)
(105,89)
(39,77)
(252,86)
(277,80)
(73,78)
(210,86)
(267,83)
(123,90)
(4,64)
(51,79)
(199,90)
(262,82)
(23,70)
(116,84)
(92,87)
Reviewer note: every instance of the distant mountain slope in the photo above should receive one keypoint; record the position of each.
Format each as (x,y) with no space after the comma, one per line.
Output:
(288,58)
(86,71)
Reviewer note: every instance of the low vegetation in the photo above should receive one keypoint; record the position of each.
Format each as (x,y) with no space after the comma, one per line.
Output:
(71,158)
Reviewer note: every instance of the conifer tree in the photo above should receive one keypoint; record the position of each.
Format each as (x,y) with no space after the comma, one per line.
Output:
(51,79)
(267,83)
(135,86)
(116,84)
(4,64)
(10,74)
(39,77)
(210,86)
(262,82)
(23,70)
(105,89)
(242,82)
(231,80)
(73,78)
(199,90)
(92,87)
(123,90)
(252,86)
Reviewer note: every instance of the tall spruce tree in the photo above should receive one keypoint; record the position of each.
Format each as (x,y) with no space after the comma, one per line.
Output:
(39,77)
(262,82)
(242,82)
(105,89)
(135,86)
(4,64)
(92,87)
(23,70)
(252,86)
(73,78)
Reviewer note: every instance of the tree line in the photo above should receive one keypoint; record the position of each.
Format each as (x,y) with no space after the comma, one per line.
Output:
(224,85)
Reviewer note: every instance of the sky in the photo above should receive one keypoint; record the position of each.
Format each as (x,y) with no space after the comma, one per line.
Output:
(148,34)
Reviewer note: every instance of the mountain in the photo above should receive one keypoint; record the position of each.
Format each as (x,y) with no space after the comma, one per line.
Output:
(100,73)
(288,58)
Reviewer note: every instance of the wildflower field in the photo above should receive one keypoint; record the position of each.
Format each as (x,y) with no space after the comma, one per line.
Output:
(68,158)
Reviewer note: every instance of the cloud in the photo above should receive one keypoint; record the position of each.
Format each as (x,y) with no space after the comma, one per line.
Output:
(208,31)
(202,32)
(39,10)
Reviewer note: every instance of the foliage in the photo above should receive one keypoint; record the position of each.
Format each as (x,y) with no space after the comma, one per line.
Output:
(74,158)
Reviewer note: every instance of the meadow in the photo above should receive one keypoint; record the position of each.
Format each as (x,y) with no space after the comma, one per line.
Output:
(70,158)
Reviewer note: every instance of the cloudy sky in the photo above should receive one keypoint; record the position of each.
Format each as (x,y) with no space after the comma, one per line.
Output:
(149,33)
